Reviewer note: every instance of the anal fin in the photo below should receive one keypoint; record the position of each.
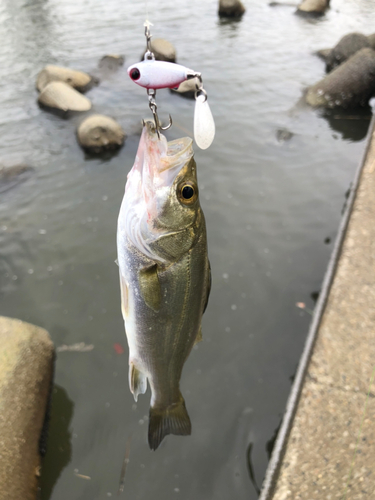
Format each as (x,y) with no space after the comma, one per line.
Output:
(137,381)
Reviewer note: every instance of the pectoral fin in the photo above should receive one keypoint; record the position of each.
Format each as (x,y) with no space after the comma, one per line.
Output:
(149,286)
(137,381)
(124,297)
(199,337)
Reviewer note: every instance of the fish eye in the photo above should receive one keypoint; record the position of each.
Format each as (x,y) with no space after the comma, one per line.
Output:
(135,74)
(188,193)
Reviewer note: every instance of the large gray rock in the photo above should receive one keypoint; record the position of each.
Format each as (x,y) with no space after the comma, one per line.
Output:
(231,8)
(371,40)
(60,95)
(111,62)
(348,85)
(187,88)
(76,79)
(346,47)
(324,54)
(316,7)
(99,132)
(163,50)
(26,369)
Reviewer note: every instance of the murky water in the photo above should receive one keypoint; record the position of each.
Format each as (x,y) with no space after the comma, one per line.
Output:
(272,201)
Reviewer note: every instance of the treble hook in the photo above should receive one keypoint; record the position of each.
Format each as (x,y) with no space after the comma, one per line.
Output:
(152,104)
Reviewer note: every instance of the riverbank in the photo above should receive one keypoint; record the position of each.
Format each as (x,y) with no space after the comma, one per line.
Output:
(325,445)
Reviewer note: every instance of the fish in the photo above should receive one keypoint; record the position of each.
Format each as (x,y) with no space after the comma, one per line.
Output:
(165,275)
(152,74)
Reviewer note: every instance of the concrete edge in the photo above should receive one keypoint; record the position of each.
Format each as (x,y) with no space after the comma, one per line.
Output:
(278,452)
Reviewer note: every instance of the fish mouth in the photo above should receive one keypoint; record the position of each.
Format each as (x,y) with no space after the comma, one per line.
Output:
(163,160)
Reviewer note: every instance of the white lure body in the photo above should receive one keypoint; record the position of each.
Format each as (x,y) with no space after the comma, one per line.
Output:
(152,74)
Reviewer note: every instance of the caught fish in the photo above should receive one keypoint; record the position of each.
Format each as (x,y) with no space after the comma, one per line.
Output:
(164,275)
(152,74)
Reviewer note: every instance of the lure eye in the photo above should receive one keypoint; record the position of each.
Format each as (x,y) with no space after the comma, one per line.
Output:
(188,193)
(135,74)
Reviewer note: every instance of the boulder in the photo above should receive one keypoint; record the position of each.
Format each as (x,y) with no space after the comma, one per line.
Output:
(346,47)
(371,40)
(163,50)
(76,79)
(350,84)
(324,54)
(187,88)
(231,8)
(317,7)
(26,372)
(62,96)
(99,132)
(111,62)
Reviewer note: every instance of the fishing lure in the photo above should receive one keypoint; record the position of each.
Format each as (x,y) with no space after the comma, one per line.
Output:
(154,75)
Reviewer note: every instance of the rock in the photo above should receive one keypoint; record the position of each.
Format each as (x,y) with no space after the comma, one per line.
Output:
(346,47)
(231,8)
(371,40)
(9,173)
(76,79)
(324,54)
(111,62)
(350,84)
(187,88)
(283,135)
(26,371)
(316,7)
(99,132)
(163,50)
(12,175)
(60,95)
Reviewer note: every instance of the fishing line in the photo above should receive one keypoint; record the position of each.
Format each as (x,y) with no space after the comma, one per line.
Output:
(359,436)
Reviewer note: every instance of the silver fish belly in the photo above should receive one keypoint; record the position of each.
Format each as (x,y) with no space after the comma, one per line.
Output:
(164,276)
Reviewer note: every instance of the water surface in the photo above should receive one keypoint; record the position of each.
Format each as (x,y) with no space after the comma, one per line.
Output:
(272,188)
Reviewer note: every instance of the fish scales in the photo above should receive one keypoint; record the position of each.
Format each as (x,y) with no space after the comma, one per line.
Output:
(164,275)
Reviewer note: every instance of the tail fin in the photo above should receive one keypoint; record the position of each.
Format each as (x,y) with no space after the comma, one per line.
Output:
(171,420)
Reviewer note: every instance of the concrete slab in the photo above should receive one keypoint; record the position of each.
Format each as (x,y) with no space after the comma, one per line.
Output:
(322,442)
(26,369)
(322,445)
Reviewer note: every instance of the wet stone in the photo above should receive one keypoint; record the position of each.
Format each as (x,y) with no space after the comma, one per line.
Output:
(283,135)
(12,175)
(231,8)
(76,79)
(61,96)
(111,62)
(349,85)
(324,53)
(345,48)
(187,89)
(162,50)
(314,7)
(371,40)
(99,132)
